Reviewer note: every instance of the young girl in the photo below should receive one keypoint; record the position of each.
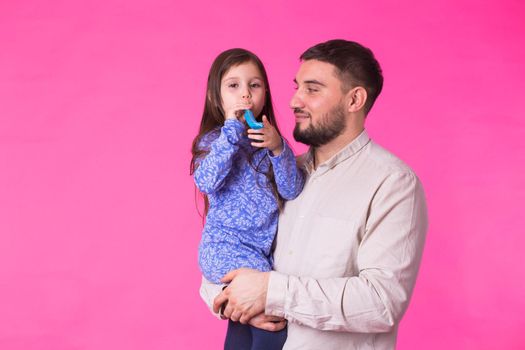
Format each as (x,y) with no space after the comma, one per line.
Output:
(245,175)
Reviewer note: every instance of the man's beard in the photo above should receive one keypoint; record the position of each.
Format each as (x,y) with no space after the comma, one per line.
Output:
(331,125)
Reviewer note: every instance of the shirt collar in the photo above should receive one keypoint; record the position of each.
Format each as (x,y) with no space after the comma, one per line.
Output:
(346,152)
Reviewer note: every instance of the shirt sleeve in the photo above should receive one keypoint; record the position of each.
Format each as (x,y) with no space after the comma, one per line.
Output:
(288,176)
(214,167)
(388,259)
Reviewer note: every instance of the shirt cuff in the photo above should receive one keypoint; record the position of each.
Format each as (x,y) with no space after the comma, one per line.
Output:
(276,294)
(281,155)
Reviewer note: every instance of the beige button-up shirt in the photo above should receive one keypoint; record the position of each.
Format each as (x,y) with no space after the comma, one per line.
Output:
(348,251)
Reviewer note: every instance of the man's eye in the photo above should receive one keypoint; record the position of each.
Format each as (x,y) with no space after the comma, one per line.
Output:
(311,90)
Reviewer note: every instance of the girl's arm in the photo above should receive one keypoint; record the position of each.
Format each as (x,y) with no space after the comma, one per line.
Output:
(288,176)
(215,166)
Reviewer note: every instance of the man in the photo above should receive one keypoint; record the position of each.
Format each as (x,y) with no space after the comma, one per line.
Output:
(348,248)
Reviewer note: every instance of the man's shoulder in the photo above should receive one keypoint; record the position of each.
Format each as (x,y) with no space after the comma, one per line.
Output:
(386,162)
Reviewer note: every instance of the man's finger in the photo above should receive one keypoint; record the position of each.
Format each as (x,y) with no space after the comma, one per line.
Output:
(218,301)
(269,325)
(273,319)
(247,316)
(274,326)
(228,310)
(232,274)
(243,319)
(235,316)
(229,276)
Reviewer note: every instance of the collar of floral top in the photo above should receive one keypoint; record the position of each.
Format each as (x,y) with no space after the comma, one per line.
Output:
(346,152)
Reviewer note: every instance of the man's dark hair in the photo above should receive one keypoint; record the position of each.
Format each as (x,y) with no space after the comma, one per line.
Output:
(355,66)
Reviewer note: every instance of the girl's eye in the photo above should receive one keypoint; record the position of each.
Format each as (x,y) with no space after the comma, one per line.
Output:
(255,85)
(233,85)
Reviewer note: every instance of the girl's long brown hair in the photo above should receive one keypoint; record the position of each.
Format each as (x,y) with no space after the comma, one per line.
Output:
(213,114)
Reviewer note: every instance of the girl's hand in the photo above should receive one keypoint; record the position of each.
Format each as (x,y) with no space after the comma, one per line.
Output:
(237,110)
(267,137)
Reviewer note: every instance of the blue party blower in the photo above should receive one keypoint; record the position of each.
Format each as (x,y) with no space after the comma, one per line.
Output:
(250,119)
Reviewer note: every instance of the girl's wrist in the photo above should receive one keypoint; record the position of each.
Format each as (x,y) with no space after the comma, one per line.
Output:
(277,150)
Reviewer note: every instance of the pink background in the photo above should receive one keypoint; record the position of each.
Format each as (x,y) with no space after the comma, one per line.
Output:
(100,100)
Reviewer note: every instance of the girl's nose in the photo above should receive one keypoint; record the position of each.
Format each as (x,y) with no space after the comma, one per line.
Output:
(245,92)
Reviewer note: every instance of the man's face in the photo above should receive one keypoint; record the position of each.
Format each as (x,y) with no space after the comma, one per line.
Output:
(318,105)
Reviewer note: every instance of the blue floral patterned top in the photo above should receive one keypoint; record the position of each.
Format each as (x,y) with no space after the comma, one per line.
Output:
(242,217)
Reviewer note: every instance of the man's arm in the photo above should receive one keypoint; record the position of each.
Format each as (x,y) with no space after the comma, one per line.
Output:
(373,301)
(209,291)
(388,259)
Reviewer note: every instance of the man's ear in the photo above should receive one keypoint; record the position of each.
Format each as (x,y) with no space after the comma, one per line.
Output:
(356,98)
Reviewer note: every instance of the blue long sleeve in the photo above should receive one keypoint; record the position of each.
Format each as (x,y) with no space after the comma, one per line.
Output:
(213,169)
(288,177)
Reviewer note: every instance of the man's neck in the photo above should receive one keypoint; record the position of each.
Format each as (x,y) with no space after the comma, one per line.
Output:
(325,152)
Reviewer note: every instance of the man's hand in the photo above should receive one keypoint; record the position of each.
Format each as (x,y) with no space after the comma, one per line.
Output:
(246,294)
(267,322)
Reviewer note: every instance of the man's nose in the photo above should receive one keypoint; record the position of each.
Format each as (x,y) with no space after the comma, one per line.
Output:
(296,101)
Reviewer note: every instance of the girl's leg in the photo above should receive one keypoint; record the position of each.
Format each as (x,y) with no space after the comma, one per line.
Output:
(266,340)
(238,336)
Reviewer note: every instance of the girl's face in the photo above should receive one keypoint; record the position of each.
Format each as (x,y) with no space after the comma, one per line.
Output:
(243,84)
